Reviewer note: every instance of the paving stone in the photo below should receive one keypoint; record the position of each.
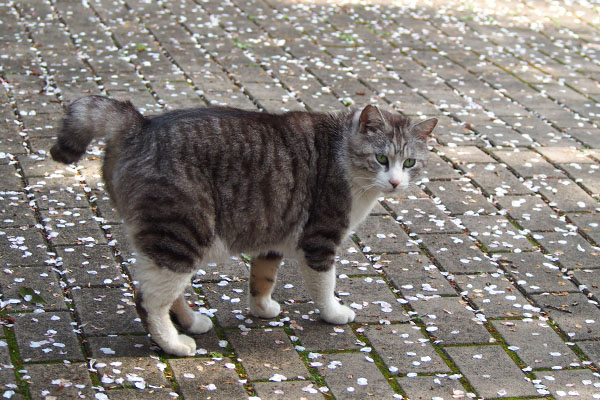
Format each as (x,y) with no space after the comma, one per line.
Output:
(378,209)
(11,180)
(450,320)
(494,295)
(531,212)
(287,390)
(529,164)
(491,371)
(587,175)
(495,179)
(228,302)
(536,344)
(590,278)
(411,192)
(232,269)
(574,313)
(588,224)
(565,194)
(383,235)
(290,284)
(118,238)
(424,216)
(120,346)
(536,273)
(547,114)
(457,253)
(496,233)
(15,210)
(460,197)
(591,349)
(317,335)
(58,192)
(536,129)
(47,337)
(563,155)
(132,394)
(431,387)
(72,226)
(44,282)
(371,298)
(581,383)
(351,376)
(22,247)
(208,377)
(415,274)
(264,353)
(36,166)
(351,260)
(104,311)
(404,349)
(90,266)
(570,249)
(588,136)
(465,154)
(138,372)
(63,381)
(437,168)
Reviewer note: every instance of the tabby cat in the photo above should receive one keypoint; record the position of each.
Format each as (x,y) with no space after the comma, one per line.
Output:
(196,184)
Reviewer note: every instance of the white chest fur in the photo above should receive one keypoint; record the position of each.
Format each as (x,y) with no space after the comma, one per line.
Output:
(361,206)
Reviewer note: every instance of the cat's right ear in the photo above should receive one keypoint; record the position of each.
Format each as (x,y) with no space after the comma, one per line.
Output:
(370,119)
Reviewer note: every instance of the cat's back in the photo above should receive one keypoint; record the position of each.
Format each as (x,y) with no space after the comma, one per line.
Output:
(236,165)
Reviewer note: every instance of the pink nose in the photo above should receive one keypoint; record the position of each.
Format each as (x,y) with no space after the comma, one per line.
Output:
(394,183)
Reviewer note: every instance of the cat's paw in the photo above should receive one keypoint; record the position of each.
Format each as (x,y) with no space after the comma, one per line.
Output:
(337,314)
(181,346)
(201,324)
(264,308)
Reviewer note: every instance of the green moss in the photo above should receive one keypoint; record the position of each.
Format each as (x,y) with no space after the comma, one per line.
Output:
(15,358)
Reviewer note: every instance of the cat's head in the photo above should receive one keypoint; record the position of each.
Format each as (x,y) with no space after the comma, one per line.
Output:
(387,150)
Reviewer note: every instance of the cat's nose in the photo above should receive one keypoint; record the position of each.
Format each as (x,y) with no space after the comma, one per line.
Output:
(394,183)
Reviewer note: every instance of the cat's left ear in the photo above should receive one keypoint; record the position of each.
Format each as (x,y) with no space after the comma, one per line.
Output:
(423,129)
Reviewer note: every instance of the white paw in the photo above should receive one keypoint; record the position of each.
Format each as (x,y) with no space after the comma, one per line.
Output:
(201,324)
(264,308)
(337,314)
(181,346)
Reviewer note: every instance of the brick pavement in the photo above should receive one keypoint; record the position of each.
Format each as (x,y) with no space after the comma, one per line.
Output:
(482,281)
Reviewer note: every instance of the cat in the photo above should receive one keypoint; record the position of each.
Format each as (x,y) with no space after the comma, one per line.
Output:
(192,185)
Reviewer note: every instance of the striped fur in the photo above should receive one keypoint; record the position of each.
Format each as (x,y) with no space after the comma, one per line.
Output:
(191,184)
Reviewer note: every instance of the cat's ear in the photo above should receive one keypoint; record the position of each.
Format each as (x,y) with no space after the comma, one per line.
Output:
(423,129)
(370,119)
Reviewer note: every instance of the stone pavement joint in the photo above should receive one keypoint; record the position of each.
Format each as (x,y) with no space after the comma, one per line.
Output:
(481,281)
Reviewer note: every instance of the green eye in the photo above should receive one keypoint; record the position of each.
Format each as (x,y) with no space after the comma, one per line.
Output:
(381,159)
(409,163)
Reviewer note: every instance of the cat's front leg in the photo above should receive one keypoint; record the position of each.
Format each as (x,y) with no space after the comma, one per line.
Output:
(321,285)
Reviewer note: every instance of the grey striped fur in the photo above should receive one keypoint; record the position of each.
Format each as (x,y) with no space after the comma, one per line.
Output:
(188,181)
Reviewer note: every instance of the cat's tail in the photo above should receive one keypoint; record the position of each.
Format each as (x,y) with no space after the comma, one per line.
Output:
(90,117)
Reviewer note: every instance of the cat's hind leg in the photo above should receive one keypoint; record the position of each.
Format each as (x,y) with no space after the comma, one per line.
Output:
(190,320)
(158,288)
(263,274)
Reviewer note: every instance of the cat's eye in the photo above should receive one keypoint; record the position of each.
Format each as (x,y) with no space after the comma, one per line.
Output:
(381,159)
(409,163)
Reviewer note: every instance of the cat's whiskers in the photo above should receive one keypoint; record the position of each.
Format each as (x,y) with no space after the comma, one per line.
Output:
(358,192)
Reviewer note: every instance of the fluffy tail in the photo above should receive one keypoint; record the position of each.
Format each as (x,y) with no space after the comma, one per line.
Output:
(90,117)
